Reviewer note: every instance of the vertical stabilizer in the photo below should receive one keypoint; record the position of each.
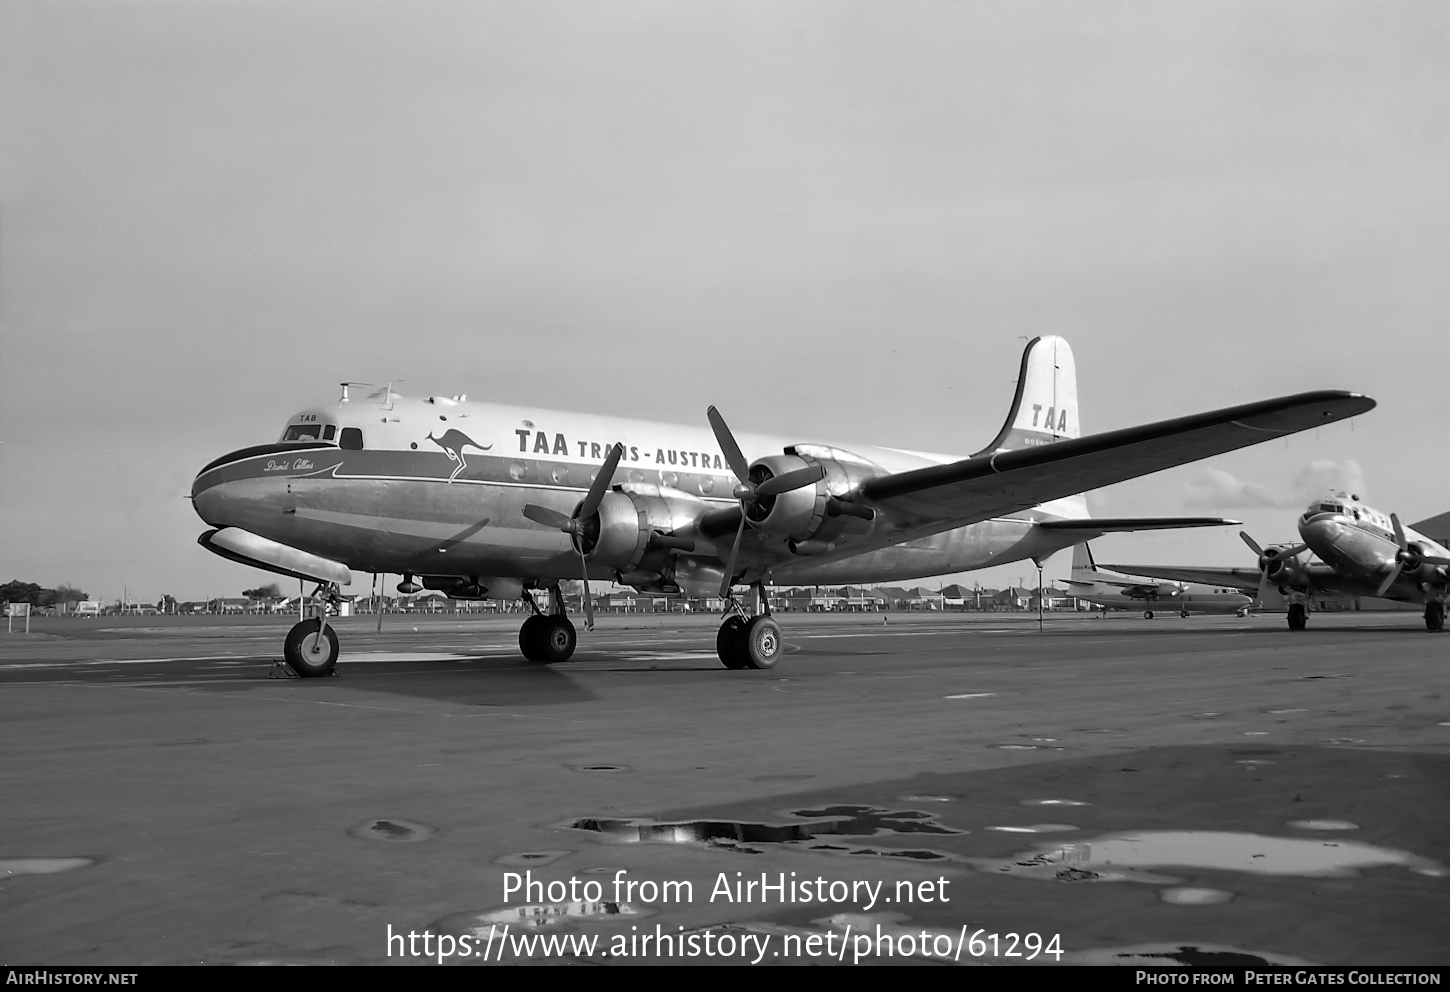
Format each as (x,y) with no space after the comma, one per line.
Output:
(1084,569)
(1045,406)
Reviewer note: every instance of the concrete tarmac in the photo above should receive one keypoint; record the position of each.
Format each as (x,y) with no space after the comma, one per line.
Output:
(1212,789)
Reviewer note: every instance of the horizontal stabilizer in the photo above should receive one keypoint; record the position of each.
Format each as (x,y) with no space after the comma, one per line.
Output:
(1112,525)
(1245,579)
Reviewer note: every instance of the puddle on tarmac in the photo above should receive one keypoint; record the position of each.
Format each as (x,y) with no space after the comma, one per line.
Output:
(539,915)
(1053,802)
(1036,828)
(393,830)
(1191,955)
(1323,825)
(530,859)
(926,799)
(826,821)
(1296,710)
(1255,761)
(10,867)
(1124,856)
(1343,740)
(1027,747)
(1186,896)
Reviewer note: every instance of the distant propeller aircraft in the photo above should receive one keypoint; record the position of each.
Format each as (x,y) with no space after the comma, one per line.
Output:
(1360,552)
(1107,588)
(362,484)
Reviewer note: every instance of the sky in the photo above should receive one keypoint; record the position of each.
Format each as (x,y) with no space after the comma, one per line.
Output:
(832,219)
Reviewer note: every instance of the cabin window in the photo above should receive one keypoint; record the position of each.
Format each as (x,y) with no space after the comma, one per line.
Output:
(351,439)
(303,432)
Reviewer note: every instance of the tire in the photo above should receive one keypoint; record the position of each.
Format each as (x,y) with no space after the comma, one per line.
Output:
(1147,614)
(1298,616)
(730,643)
(1183,614)
(762,643)
(529,638)
(1434,616)
(308,655)
(555,640)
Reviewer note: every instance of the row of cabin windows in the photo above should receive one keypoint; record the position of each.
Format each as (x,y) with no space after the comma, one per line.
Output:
(350,440)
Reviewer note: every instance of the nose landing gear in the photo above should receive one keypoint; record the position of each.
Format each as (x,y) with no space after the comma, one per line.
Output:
(311,647)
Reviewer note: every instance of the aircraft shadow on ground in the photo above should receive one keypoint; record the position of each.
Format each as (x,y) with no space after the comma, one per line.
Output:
(480,682)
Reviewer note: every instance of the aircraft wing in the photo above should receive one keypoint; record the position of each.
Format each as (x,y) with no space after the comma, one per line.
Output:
(1235,578)
(979,488)
(1091,527)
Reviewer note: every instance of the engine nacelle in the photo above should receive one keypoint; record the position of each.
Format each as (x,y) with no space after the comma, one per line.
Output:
(632,530)
(811,516)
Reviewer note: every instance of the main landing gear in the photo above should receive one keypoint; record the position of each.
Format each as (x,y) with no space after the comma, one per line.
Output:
(548,637)
(750,642)
(1434,615)
(311,647)
(1298,616)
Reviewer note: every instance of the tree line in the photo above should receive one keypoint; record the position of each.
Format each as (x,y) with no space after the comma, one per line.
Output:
(38,595)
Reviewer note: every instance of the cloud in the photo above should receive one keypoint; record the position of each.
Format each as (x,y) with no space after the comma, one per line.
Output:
(1215,489)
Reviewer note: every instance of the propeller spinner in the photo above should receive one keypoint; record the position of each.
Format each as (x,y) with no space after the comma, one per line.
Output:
(750,492)
(574,525)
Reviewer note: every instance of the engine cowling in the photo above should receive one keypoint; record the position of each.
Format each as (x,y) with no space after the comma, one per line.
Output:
(635,527)
(810,519)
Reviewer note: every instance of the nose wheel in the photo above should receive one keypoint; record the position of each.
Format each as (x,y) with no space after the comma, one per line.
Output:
(311,649)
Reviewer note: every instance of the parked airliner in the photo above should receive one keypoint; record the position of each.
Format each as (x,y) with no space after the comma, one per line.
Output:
(1112,589)
(1360,552)
(482,500)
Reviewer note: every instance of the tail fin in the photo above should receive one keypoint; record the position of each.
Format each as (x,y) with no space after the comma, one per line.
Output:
(1045,407)
(1084,569)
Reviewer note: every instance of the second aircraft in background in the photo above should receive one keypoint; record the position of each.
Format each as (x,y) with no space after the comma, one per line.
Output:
(1359,550)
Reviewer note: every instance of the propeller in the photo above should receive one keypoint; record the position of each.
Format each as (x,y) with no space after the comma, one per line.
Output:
(574,525)
(1269,560)
(1406,557)
(749,492)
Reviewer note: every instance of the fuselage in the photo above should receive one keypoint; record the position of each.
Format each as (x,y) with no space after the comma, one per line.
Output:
(1358,543)
(1161,595)
(438,485)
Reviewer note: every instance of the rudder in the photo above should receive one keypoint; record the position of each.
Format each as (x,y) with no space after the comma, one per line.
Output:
(1044,408)
(1084,569)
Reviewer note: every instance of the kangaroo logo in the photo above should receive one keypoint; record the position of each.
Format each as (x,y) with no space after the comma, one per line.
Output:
(453,442)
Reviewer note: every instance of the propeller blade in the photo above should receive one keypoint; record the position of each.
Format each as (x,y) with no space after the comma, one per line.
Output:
(728,447)
(1263,588)
(734,550)
(1399,532)
(798,479)
(544,515)
(600,486)
(588,598)
(1293,552)
(1390,579)
(1253,545)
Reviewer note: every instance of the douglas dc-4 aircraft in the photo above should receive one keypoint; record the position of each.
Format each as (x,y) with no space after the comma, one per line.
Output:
(1112,589)
(1361,552)
(481,500)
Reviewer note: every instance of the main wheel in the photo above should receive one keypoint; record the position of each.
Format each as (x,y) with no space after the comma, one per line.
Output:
(1183,614)
(1147,614)
(1298,616)
(309,655)
(529,638)
(555,639)
(762,642)
(1434,616)
(730,642)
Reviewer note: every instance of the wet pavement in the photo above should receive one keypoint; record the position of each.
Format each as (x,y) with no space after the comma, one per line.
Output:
(1151,791)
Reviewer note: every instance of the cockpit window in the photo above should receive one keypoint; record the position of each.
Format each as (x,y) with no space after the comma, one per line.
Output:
(328,432)
(303,432)
(351,439)
(1330,508)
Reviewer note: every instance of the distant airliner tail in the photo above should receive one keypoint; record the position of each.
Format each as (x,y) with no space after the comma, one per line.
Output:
(1045,406)
(1084,569)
